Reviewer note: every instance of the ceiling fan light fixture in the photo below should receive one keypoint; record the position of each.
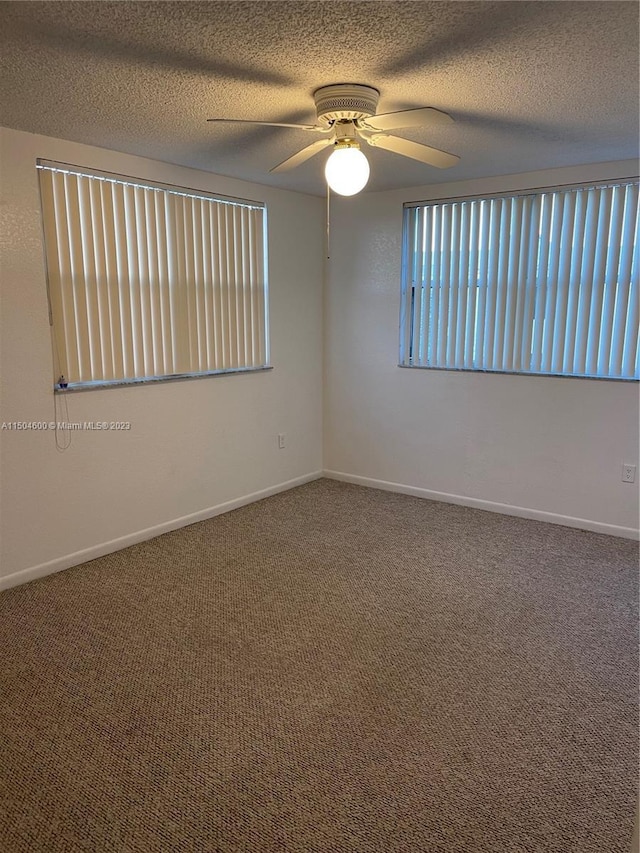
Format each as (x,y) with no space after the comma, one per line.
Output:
(347,115)
(347,170)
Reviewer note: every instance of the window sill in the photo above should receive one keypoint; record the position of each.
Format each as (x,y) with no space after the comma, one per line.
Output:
(74,387)
(520,373)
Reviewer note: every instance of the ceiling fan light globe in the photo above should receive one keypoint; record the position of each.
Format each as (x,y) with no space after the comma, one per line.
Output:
(347,171)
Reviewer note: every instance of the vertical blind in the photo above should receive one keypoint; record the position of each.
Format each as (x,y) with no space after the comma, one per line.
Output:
(539,283)
(149,281)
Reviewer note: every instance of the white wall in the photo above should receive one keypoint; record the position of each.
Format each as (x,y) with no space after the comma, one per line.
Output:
(545,447)
(194,445)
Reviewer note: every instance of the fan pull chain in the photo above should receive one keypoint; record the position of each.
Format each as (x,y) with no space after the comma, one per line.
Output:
(328,222)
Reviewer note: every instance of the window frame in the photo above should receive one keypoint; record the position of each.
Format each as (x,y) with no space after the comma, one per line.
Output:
(406,318)
(172,189)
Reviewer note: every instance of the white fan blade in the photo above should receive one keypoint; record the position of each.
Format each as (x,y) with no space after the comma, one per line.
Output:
(302,156)
(415,150)
(424,116)
(315,127)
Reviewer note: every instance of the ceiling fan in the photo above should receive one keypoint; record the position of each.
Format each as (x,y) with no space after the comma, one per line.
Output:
(346,116)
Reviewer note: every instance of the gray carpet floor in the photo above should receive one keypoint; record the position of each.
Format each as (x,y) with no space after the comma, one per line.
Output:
(331,670)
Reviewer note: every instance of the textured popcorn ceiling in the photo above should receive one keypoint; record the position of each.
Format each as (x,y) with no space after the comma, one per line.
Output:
(531,84)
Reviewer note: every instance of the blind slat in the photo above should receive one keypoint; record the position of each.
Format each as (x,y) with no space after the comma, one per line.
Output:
(238,286)
(578,298)
(261,239)
(116,367)
(631,347)
(463,285)
(431,349)
(133,280)
(553,274)
(122,274)
(557,338)
(542,283)
(86,280)
(135,239)
(418,285)
(56,264)
(454,283)
(625,285)
(226,267)
(472,285)
(585,273)
(104,353)
(163,288)
(516,225)
(218,275)
(492,282)
(66,321)
(595,275)
(445,255)
(153,285)
(526,307)
(483,275)
(146,367)
(246,286)
(611,279)
(409,249)
(197,295)
(502,279)
(76,283)
(207,289)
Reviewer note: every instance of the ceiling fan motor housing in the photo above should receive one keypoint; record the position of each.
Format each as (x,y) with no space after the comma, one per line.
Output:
(345,102)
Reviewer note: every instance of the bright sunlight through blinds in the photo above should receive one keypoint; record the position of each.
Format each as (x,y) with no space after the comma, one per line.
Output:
(541,283)
(150,281)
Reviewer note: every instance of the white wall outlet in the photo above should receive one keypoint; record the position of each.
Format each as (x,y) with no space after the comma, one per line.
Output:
(281,440)
(628,473)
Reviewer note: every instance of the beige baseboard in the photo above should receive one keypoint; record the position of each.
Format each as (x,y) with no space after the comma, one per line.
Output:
(489,506)
(69,560)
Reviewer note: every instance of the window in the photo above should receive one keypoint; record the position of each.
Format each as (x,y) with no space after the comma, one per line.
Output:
(148,281)
(543,283)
